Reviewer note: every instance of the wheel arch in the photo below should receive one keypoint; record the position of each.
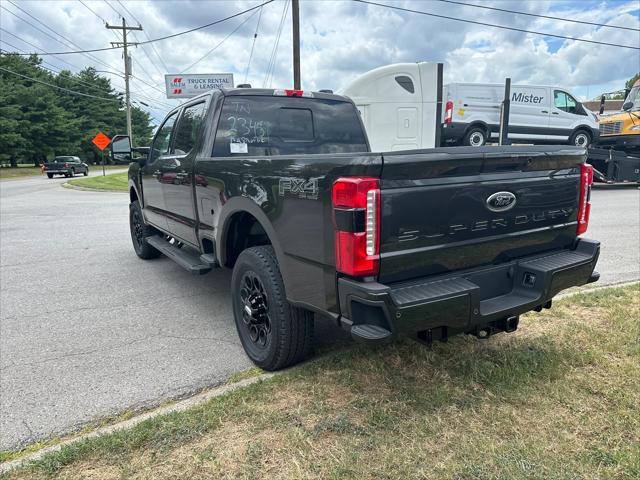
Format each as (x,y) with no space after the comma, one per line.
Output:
(241,215)
(581,128)
(133,193)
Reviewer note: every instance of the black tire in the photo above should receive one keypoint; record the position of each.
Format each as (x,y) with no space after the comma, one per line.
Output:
(274,334)
(580,138)
(50,175)
(140,231)
(86,172)
(475,137)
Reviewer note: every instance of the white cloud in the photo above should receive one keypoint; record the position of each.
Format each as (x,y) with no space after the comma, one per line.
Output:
(341,40)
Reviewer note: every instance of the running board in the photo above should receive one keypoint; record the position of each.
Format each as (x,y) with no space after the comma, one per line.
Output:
(370,333)
(192,262)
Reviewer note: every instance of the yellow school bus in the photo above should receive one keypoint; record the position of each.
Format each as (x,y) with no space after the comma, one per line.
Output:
(621,131)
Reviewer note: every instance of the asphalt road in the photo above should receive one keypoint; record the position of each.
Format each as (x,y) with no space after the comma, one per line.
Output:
(87,330)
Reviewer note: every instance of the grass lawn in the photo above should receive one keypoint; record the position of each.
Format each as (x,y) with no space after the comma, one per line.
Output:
(559,399)
(26,171)
(114,181)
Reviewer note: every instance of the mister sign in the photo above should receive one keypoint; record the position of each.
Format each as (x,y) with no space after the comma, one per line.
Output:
(191,85)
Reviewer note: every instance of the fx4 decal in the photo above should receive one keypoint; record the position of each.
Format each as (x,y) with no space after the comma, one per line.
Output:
(299,187)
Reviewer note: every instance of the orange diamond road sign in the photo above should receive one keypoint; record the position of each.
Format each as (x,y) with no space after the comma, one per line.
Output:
(101,141)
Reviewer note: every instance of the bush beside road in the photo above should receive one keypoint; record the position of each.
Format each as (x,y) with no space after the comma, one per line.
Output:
(114,181)
(557,399)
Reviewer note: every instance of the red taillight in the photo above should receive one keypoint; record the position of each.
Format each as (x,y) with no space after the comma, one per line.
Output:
(584,208)
(292,93)
(448,112)
(356,204)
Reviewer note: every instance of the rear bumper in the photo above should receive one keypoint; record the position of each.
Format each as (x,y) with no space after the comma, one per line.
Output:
(466,300)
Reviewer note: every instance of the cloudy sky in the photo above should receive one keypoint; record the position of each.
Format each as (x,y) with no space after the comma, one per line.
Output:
(340,40)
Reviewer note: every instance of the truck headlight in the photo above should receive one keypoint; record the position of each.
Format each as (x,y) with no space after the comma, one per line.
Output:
(635,128)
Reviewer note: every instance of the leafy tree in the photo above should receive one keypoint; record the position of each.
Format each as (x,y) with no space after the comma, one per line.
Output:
(38,121)
(632,80)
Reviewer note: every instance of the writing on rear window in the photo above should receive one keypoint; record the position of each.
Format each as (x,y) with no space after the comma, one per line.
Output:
(258,126)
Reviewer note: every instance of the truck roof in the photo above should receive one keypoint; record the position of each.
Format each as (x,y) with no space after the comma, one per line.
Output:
(265,92)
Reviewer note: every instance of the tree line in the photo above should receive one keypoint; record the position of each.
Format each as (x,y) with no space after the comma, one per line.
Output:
(38,121)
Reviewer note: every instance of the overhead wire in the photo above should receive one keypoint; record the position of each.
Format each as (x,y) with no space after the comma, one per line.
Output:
(583,22)
(184,32)
(253,44)
(220,43)
(274,52)
(37,48)
(73,92)
(69,41)
(146,36)
(53,69)
(504,27)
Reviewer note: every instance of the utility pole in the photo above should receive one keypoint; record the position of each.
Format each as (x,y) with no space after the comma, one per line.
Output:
(127,67)
(295,15)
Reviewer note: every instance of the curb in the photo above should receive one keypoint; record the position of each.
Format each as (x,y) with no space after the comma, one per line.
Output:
(595,289)
(85,189)
(178,406)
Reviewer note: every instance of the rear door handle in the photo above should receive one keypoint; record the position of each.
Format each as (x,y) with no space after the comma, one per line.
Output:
(555,113)
(545,111)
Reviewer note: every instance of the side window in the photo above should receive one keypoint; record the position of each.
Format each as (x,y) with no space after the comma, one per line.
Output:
(162,140)
(565,102)
(187,128)
(406,83)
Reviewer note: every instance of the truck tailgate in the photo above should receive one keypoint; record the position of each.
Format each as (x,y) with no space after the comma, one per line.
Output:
(456,208)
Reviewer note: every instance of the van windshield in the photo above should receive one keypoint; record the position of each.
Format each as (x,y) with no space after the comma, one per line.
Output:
(264,126)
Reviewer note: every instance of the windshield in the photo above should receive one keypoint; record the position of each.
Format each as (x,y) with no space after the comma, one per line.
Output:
(634,97)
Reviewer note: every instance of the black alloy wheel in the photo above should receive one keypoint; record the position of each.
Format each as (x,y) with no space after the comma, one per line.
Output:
(255,310)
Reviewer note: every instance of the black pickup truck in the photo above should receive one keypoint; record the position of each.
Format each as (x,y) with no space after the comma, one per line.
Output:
(281,186)
(68,166)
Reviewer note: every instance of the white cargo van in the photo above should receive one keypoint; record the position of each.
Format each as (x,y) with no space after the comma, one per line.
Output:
(538,114)
(402,109)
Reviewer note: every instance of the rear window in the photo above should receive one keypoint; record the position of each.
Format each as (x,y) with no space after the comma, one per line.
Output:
(264,126)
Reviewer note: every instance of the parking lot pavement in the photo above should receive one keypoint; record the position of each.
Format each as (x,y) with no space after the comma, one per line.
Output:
(88,330)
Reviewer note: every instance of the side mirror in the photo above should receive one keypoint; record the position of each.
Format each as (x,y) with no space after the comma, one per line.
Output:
(120,149)
(627,106)
(142,155)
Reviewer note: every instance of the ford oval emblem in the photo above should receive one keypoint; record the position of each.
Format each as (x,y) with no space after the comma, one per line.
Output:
(501,201)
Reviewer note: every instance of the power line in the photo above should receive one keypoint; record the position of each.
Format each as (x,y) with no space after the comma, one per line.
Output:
(393,7)
(69,41)
(541,16)
(166,36)
(274,51)
(111,7)
(221,42)
(57,71)
(37,48)
(146,36)
(73,92)
(92,11)
(255,36)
